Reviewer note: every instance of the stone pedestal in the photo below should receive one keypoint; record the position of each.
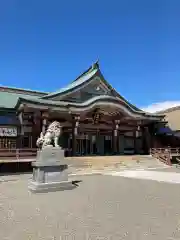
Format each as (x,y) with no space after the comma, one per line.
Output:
(50,171)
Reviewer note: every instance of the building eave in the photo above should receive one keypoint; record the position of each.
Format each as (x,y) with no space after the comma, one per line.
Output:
(5,109)
(23,91)
(97,101)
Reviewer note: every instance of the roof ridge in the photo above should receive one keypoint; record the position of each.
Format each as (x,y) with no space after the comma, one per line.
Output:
(21,90)
(80,80)
(94,66)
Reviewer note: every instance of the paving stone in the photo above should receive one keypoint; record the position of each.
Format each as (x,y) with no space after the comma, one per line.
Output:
(102,207)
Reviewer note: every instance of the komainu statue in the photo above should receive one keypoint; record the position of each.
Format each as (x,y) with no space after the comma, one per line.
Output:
(51,136)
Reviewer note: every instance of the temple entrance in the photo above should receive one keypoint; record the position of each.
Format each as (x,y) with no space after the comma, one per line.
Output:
(92,144)
(82,147)
(107,145)
(86,145)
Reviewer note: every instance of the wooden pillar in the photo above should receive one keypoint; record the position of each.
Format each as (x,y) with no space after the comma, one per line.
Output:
(37,118)
(19,142)
(37,122)
(136,135)
(73,140)
(75,125)
(115,136)
(45,117)
(146,139)
(135,142)
(21,123)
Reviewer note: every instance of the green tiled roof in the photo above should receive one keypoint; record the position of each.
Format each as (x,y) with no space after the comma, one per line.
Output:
(77,82)
(9,99)
(84,77)
(12,99)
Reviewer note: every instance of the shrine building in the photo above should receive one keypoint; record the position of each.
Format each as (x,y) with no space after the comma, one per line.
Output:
(95,118)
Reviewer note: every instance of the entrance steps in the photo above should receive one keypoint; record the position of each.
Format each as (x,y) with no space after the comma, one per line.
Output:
(115,162)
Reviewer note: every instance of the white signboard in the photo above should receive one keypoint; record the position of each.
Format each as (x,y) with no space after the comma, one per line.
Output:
(8,131)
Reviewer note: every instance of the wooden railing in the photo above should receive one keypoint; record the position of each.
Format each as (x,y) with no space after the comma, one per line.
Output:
(165,154)
(174,151)
(17,154)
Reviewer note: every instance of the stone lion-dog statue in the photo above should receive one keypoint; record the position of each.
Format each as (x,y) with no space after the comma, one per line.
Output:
(50,137)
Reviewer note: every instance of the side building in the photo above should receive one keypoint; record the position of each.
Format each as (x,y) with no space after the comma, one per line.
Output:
(95,118)
(169,135)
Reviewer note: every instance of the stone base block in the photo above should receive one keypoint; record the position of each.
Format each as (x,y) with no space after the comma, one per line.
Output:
(48,174)
(50,171)
(50,187)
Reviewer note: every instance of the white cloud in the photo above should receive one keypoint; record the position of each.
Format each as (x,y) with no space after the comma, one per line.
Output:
(155,107)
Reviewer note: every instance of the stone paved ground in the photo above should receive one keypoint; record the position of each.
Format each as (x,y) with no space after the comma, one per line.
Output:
(160,176)
(102,207)
(168,169)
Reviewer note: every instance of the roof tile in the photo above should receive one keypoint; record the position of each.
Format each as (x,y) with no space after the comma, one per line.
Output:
(9,100)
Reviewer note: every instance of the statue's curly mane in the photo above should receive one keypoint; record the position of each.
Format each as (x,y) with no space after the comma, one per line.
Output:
(53,126)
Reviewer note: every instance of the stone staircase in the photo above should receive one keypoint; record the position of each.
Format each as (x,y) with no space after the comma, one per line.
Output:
(114,163)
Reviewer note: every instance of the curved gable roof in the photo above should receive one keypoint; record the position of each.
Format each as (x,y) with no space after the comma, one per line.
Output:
(13,98)
(85,78)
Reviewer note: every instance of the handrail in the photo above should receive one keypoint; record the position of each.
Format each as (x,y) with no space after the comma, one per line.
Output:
(18,153)
(168,149)
(165,154)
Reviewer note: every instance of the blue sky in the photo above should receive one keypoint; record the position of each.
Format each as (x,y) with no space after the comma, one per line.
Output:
(46,44)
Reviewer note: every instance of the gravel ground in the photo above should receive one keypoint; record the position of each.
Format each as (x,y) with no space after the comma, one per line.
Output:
(102,207)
